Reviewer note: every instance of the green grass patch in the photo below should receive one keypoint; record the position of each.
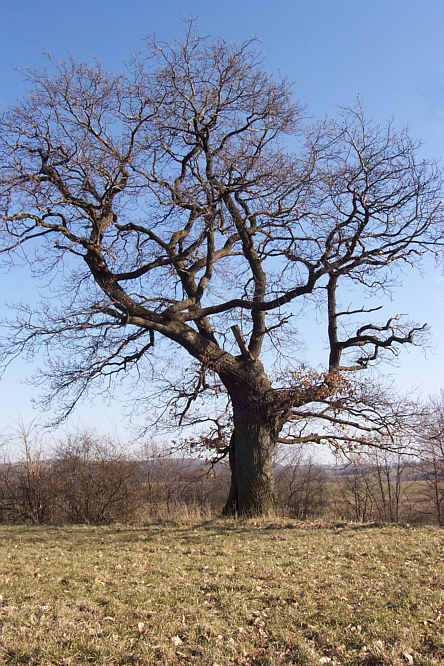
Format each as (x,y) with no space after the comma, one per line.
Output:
(221,593)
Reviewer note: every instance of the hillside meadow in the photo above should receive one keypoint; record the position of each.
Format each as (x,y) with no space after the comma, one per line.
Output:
(222,592)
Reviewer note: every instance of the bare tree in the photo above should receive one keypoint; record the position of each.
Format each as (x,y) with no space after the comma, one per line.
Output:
(430,436)
(374,483)
(356,490)
(186,201)
(389,471)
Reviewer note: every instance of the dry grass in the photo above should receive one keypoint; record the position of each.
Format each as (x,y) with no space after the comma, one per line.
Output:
(269,592)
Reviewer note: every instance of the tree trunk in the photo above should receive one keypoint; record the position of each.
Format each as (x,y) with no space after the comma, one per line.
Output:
(253,443)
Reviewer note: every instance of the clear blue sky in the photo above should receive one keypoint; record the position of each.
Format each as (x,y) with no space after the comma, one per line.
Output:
(389,52)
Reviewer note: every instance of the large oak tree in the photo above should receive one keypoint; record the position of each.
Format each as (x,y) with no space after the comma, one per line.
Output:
(187,199)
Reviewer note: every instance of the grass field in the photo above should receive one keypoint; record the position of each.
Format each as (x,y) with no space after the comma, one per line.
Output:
(221,593)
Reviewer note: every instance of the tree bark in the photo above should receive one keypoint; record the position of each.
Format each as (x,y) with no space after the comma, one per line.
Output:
(252,446)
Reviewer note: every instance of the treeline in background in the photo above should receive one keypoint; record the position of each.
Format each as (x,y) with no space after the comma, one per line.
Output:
(89,480)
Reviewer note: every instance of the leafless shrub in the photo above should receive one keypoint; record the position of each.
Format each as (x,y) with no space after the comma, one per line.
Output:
(27,486)
(301,485)
(86,480)
(95,482)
